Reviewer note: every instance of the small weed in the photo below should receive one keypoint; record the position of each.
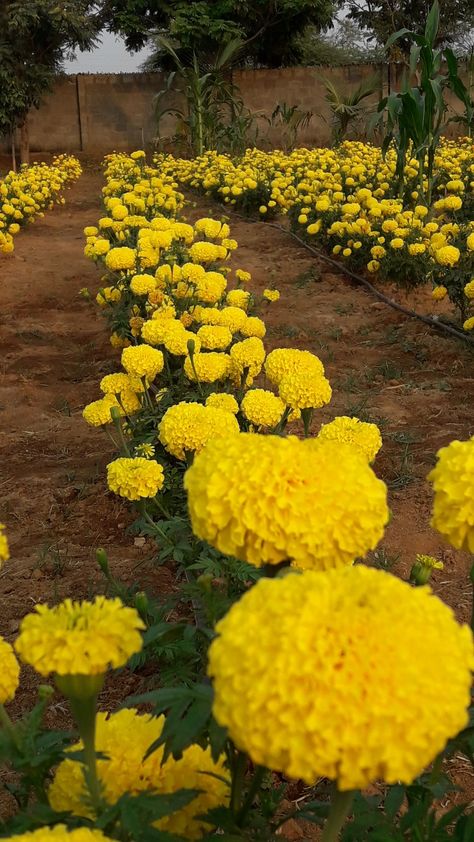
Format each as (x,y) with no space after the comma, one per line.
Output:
(312,275)
(62,405)
(335,333)
(52,559)
(382,559)
(344,309)
(403,475)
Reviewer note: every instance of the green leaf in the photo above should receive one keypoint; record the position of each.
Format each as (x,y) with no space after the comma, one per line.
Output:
(432,24)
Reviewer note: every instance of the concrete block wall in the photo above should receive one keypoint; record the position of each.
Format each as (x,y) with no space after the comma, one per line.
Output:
(100,113)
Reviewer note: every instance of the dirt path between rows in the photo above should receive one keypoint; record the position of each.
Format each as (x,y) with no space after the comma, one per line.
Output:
(54,350)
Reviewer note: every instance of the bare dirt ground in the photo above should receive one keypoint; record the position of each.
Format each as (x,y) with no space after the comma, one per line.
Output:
(54,349)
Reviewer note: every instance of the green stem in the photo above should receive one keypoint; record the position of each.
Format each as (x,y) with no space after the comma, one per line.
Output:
(238,782)
(146,516)
(84,712)
(307,415)
(340,806)
(118,427)
(252,792)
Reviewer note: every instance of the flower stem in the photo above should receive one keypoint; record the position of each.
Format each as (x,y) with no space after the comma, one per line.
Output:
(340,806)
(238,782)
(252,792)
(84,712)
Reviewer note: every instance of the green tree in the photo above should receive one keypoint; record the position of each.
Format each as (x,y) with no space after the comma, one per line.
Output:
(36,36)
(381,18)
(270,28)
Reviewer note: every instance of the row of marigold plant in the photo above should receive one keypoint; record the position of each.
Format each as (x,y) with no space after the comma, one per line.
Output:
(295,660)
(27,193)
(346,201)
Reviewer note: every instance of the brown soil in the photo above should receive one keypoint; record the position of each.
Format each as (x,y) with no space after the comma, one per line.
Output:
(417,385)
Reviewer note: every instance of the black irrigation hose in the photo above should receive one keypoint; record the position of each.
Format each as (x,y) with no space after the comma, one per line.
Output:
(433,323)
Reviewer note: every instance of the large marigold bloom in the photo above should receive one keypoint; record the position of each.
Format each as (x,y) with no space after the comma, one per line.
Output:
(120,259)
(142,361)
(267,499)
(135,478)
(284,361)
(79,638)
(305,390)
(453,483)
(187,427)
(61,833)
(98,412)
(318,675)
(361,434)
(124,739)
(262,408)
(9,672)
(208,367)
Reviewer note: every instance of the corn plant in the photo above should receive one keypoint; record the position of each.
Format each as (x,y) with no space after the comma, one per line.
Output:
(212,100)
(415,116)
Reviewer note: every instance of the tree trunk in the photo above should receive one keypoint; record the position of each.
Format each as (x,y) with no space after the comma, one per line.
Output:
(13,150)
(25,143)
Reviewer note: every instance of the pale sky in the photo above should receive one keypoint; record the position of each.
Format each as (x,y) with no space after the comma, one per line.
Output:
(110,57)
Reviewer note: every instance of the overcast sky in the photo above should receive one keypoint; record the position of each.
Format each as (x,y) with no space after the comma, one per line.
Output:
(110,57)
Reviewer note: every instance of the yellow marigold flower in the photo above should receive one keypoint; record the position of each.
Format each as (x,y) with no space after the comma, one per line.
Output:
(262,408)
(146,450)
(253,326)
(439,293)
(120,259)
(118,342)
(205,252)
(79,638)
(61,833)
(9,672)
(214,337)
(123,738)
(469,323)
(113,384)
(453,484)
(4,548)
(176,340)
(453,203)
(373,265)
(296,689)
(304,390)
(108,295)
(282,361)
(138,154)
(232,317)
(397,243)
(135,478)
(223,400)
(209,288)
(246,496)
(238,298)
(142,361)
(248,356)
(187,427)
(242,276)
(360,434)
(119,212)
(271,294)
(447,255)
(209,227)
(416,248)
(97,413)
(314,228)
(470,242)
(143,284)
(208,367)
(469,290)
(90,231)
